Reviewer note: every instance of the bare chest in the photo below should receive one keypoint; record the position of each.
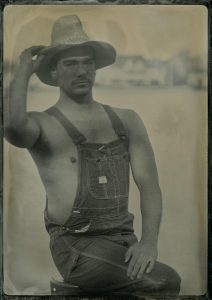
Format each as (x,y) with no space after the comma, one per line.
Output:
(56,138)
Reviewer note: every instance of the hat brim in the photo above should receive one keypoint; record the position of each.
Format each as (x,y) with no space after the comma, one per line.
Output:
(104,55)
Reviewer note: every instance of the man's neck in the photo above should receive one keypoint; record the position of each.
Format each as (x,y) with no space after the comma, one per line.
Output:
(77,102)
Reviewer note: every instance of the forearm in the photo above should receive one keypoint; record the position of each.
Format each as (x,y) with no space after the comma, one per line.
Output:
(20,128)
(151,211)
(16,116)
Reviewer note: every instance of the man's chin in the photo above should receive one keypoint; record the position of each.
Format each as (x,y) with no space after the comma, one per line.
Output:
(79,92)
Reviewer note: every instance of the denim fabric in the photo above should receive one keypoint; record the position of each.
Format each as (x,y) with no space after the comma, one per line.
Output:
(89,248)
(96,264)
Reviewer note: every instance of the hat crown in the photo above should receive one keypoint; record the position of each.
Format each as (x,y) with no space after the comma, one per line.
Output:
(68,30)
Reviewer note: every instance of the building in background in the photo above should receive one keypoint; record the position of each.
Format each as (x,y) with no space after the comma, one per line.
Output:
(138,71)
(181,70)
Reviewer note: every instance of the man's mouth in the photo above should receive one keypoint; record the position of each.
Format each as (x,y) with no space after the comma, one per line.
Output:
(81,81)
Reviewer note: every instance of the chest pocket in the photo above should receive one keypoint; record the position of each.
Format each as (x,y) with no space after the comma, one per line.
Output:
(108,177)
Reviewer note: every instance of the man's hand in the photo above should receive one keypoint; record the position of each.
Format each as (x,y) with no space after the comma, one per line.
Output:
(141,257)
(27,63)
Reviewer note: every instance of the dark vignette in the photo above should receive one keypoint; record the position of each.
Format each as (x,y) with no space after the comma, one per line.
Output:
(206,3)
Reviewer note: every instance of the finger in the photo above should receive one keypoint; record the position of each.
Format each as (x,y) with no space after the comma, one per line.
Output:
(38,59)
(44,50)
(128,255)
(151,266)
(131,266)
(35,49)
(136,268)
(142,269)
(32,51)
(37,62)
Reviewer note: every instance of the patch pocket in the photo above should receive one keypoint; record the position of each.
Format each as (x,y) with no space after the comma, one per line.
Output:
(108,177)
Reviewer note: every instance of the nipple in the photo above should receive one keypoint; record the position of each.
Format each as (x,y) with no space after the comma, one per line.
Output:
(73,159)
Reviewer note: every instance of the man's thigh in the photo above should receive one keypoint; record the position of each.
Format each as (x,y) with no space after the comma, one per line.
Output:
(98,264)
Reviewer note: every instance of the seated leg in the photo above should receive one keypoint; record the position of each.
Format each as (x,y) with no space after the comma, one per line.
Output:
(99,267)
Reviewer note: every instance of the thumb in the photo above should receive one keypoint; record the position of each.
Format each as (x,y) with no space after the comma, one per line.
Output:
(128,255)
(150,266)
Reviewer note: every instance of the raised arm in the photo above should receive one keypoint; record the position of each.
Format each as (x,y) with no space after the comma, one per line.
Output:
(143,255)
(20,128)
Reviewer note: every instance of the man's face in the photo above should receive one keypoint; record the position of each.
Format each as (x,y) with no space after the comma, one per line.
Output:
(75,71)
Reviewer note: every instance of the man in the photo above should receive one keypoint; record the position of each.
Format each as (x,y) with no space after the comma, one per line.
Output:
(82,150)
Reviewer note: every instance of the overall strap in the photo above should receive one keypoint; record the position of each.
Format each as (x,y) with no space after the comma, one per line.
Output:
(116,122)
(72,131)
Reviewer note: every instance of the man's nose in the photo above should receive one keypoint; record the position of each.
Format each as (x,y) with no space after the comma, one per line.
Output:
(81,70)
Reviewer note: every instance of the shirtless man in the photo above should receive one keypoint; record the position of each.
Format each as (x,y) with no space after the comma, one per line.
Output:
(82,150)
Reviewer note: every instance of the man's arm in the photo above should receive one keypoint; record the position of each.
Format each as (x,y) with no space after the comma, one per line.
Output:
(143,255)
(20,128)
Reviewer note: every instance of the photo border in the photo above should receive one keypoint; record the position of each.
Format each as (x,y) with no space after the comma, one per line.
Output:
(208,5)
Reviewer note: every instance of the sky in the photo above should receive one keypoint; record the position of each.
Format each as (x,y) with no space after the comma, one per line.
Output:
(154,31)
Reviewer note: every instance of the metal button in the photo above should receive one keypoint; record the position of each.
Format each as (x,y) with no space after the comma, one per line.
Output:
(73,159)
(54,289)
(101,147)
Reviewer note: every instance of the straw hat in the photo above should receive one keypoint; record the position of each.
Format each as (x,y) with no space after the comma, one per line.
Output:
(67,33)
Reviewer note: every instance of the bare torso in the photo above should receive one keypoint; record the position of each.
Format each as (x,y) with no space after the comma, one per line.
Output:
(56,157)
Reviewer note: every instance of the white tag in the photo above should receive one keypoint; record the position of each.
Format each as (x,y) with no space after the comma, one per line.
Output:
(83,229)
(102,179)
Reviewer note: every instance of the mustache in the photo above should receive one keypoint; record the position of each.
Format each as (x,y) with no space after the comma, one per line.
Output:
(79,79)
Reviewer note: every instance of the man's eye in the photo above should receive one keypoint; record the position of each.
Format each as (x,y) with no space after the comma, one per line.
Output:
(70,64)
(89,62)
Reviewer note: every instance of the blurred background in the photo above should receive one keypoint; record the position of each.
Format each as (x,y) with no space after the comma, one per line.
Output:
(161,73)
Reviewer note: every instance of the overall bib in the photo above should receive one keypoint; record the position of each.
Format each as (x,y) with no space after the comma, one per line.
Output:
(101,203)
(89,248)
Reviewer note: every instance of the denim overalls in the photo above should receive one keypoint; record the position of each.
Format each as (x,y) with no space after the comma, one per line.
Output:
(89,248)
(101,203)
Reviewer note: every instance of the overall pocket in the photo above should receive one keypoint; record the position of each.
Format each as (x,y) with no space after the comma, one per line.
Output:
(108,177)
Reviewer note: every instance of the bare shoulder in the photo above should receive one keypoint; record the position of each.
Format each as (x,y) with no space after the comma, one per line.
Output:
(131,120)
(43,120)
(39,117)
(48,131)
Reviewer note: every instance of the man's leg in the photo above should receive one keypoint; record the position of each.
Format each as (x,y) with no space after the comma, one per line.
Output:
(97,265)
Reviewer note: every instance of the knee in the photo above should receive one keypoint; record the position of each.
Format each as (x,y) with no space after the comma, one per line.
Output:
(176,282)
(171,281)
(162,280)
